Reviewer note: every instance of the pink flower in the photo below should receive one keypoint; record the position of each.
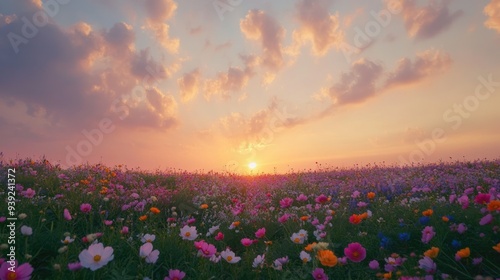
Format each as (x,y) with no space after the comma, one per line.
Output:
(284,218)
(486,220)
(427,264)
(108,222)
(427,234)
(301,197)
(319,274)
(219,236)
(96,256)
(124,230)
(246,242)
(374,265)
(260,233)
(67,215)
(29,193)
(321,199)
(464,201)
(74,266)
(146,252)
(3,219)
(23,272)
(461,228)
(175,274)
(482,198)
(85,208)
(286,202)
(355,194)
(206,250)
(355,252)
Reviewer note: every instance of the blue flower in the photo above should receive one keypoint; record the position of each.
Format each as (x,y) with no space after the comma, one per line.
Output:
(404,236)
(456,244)
(424,220)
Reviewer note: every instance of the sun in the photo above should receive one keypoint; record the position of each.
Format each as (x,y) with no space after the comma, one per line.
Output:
(252,165)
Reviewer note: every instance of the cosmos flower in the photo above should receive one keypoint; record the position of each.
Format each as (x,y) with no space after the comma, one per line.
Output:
(22,272)
(175,274)
(355,252)
(229,256)
(146,252)
(188,233)
(96,256)
(327,258)
(319,274)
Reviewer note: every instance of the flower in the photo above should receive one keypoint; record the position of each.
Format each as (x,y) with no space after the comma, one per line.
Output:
(229,256)
(146,252)
(67,240)
(319,274)
(432,252)
(374,265)
(427,213)
(154,210)
(124,230)
(299,237)
(188,233)
(85,207)
(355,219)
(286,202)
(279,262)
(486,220)
(355,252)
(246,242)
(74,266)
(148,238)
(204,206)
(22,272)
(96,256)
(284,218)
(427,264)
(327,258)
(258,261)
(494,205)
(219,236)
(496,247)
(206,250)
(143,218)
(305,257)
(462,254)
(321,199)
(427,234)
(482,198)
(370,195)
(260,233)
(26,230)
(67,215)
(461,228)
(175,274)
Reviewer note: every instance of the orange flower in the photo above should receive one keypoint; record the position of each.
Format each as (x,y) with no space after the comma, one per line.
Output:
(497,247)
(463,253)
(236,224)
(494,205)
(104,190)
(355,219)
(143,218)
(370,195)
(154,210)
(204,206)
(388,275)
(309,247)
(268,243)
(327,258)
(304,218)
(432,252)
(363,216)
(445,219)
(428,212)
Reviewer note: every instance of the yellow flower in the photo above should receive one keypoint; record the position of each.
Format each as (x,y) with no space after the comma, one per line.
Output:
(327,258)
(432,252)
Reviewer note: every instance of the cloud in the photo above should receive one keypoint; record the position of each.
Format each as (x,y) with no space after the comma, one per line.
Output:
(358,84)
(159,11)
(188,85)
(72,77)
(427,21)
(492,10)
(426,64)
(318,26)
(257,25)
(233,80)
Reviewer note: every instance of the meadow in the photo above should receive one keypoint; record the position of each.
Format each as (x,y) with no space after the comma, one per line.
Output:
(435,221)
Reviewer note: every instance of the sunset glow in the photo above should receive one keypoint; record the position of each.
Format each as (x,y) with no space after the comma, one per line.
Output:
(207,85)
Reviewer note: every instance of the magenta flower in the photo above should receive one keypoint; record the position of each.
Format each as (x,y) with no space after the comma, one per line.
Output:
(260,233)
(301,197)
(175,274)
(29,193)
(124,230)
(286,202)
(67,215)
(206,250)
(482,198)
(284,218)
(321,199)
(319,274)
(74,266)
(427,234)
(246,242)
(219,236)
(355,252)
(23,272)
(85,208)
(486,220)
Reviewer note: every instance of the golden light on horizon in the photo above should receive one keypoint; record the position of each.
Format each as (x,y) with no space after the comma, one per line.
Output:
(252,165)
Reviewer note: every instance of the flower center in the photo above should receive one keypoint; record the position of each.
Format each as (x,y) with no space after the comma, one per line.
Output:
(296,240)
(149,240)
(97,258)
(229,258)
(355,254)
(187,234)
(11,275)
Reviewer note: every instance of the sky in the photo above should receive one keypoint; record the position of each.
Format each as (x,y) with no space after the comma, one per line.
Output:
(214,85)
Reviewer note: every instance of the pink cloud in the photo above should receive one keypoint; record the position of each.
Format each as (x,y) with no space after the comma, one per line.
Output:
(159,11)
(492,10)
(257,25)
(188,84)
(427,21)
(318,26)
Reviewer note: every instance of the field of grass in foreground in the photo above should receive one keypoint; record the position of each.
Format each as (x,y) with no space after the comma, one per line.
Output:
(437,221)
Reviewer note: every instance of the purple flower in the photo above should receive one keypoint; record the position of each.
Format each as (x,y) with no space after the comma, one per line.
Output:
(374,265)
(319,274)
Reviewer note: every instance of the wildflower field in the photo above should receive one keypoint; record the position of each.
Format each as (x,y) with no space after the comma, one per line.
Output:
(438,221)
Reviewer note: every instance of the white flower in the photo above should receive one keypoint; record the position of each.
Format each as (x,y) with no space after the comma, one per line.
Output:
(212,230)
(26,230)
(96,256)
(188,233)
(259,261)
(229,256)
(146,252)
(305,257)
(67,240)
